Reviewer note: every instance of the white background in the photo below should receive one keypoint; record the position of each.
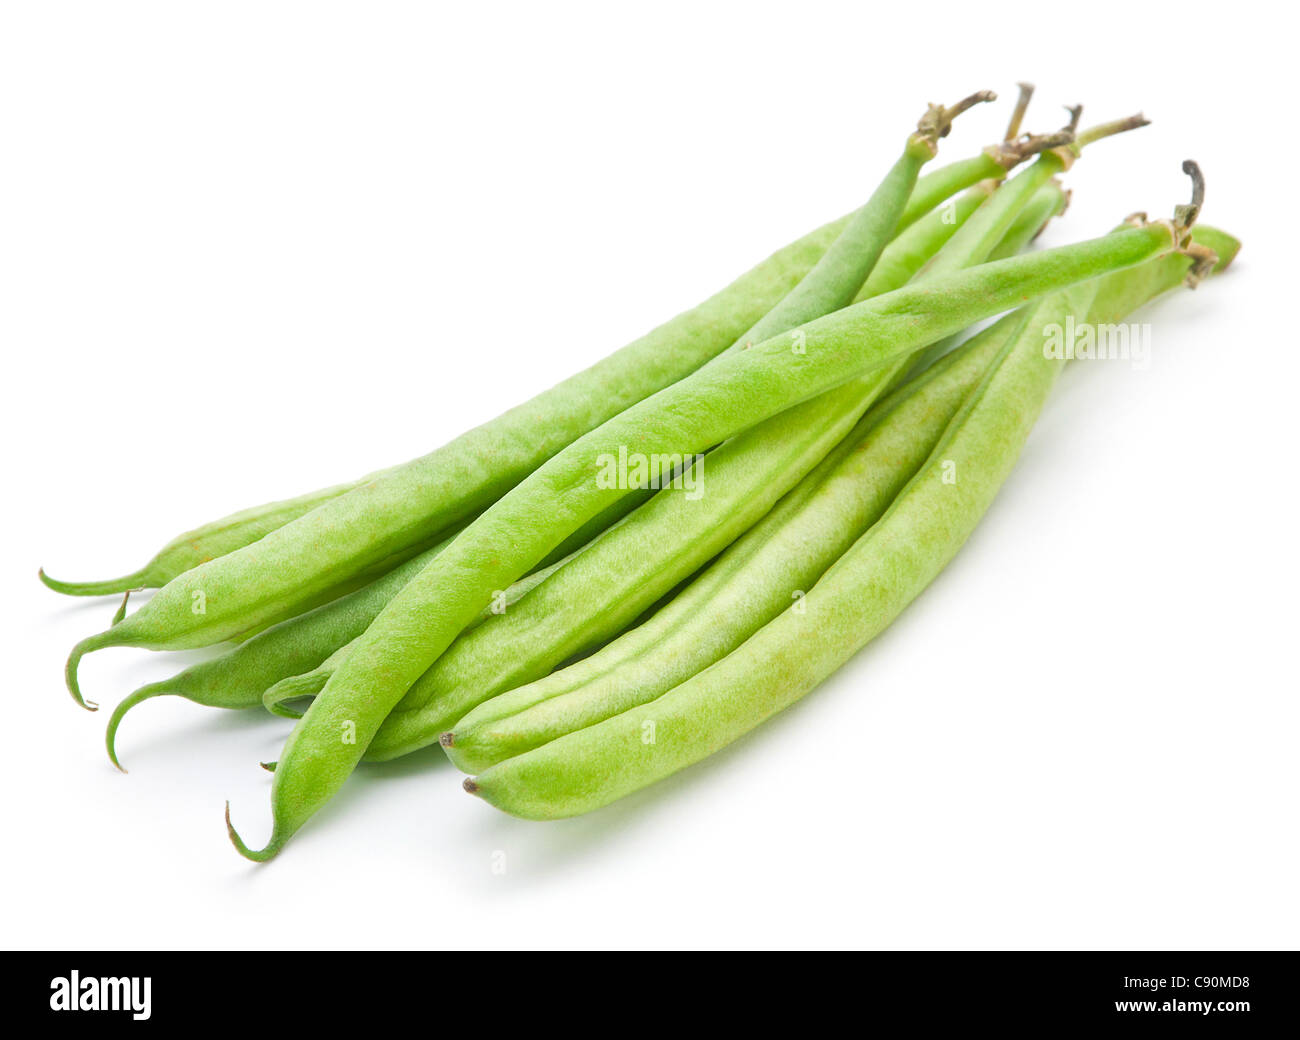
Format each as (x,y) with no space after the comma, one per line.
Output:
(250,249)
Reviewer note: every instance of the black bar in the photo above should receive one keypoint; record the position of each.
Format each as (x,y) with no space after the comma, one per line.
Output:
(1237,991)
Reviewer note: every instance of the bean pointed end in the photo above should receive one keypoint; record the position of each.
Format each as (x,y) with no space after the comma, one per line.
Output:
(470,785)
(74,662)
(113,587)
(447,739)
(65,588)
(119,713)
(256,855)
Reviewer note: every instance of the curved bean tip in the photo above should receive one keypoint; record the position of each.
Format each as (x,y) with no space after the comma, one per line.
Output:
(119,713)
(268,766)
(74,662)
(256,855)
(470,785)
(53,583)
(112,587)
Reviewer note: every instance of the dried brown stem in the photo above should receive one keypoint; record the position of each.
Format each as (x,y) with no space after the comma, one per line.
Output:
(1018,116)
(937,121)
(1117,126)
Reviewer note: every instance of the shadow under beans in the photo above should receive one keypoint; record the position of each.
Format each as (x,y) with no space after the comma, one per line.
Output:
(551,847)
(216,723)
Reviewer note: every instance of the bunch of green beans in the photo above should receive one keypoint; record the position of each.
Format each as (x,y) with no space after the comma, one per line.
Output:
(571,611)
(782,455)
(734,392)
(302,563)
(785,554)
(609,587)
(597,596)
(524,599)
(604,748)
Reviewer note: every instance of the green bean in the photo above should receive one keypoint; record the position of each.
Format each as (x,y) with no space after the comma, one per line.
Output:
(1051,200)
(788,550)
(217,538)
(912,248)
(735,391)
(944,183)
(842,270)
(752,582)
(309,683)
(304,684)
(1119,295)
